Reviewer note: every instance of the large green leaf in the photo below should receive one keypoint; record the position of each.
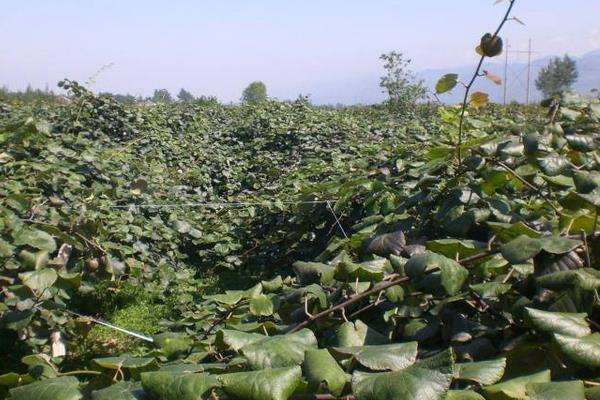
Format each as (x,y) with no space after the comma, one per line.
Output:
(483,372)
(230,297)
(515,389)
(463,395)
(584,350)
(568,324)
(573,390)
(133,364)
(452,247)
(558,245)
(279,351)
(321,368)
(267,384)
(586,279)
(231,339)
(261,305)
(453,275)
(358,333)
(312,272)
(410,383)
(392,357)
(36,238)
(177,386)
(40,279)
(63,388)
(120,391)
(172,343)
(521,249)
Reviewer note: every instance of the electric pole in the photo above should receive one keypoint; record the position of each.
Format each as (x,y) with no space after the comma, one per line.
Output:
(528,73)
(505,71)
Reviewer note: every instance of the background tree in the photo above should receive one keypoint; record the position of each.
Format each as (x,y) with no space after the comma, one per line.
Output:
(162,96)
(184,96)
(255,93)
(557,77)
(401,85)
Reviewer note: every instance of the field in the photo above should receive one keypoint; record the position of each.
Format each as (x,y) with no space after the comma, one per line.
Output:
(284,250)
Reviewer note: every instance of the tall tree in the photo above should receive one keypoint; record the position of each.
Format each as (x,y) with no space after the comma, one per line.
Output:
(403,88)
(255,93)
(558,76)
(162,96)
(184,96)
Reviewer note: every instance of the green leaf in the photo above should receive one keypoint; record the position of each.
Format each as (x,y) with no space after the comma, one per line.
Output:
(446,83)
(451,247)
(177,386)
(312,272)
(229,298)
(584,350)
(521,249)
(392,357)
(274,285)
(63,388)
(357,333)
(585,279)
(516,388)
(558,245)
(320,367)
(261,305)
(573,390)
(453,275)
(35,238)
(583,143)
(410,383)
(482,372)
(279,351)
(507,232)
(172,343)
(268,384)
(568,324)
(552,165)
(40,279)
(235,340)
(463,395)
(120,391)
(491,290)
(133,364)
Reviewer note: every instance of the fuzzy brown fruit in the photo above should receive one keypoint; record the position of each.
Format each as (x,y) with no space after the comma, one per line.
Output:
(491,46)
(93,264)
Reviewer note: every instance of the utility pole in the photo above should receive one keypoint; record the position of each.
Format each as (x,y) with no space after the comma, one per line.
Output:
(528,73)
(505,71)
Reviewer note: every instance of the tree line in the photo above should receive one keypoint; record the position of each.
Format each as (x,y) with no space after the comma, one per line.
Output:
(399,83)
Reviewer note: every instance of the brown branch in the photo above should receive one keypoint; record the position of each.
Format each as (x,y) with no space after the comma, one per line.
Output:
(218,322)
(381,286)
(472,81)
(376,289)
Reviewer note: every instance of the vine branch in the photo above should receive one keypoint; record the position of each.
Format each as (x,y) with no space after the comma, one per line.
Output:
(472,81)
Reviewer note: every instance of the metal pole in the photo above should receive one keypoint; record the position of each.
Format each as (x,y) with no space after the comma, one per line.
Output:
(505,71)
(528,73)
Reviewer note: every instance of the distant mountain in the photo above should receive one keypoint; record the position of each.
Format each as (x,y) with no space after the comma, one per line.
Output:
(366,90)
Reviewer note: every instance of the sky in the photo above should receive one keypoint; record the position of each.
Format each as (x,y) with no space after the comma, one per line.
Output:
(295,47)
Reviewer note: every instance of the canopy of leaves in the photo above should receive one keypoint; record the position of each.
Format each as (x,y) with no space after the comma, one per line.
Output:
(373,265)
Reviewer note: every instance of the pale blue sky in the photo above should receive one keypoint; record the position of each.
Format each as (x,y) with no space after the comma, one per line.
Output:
(217,47)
